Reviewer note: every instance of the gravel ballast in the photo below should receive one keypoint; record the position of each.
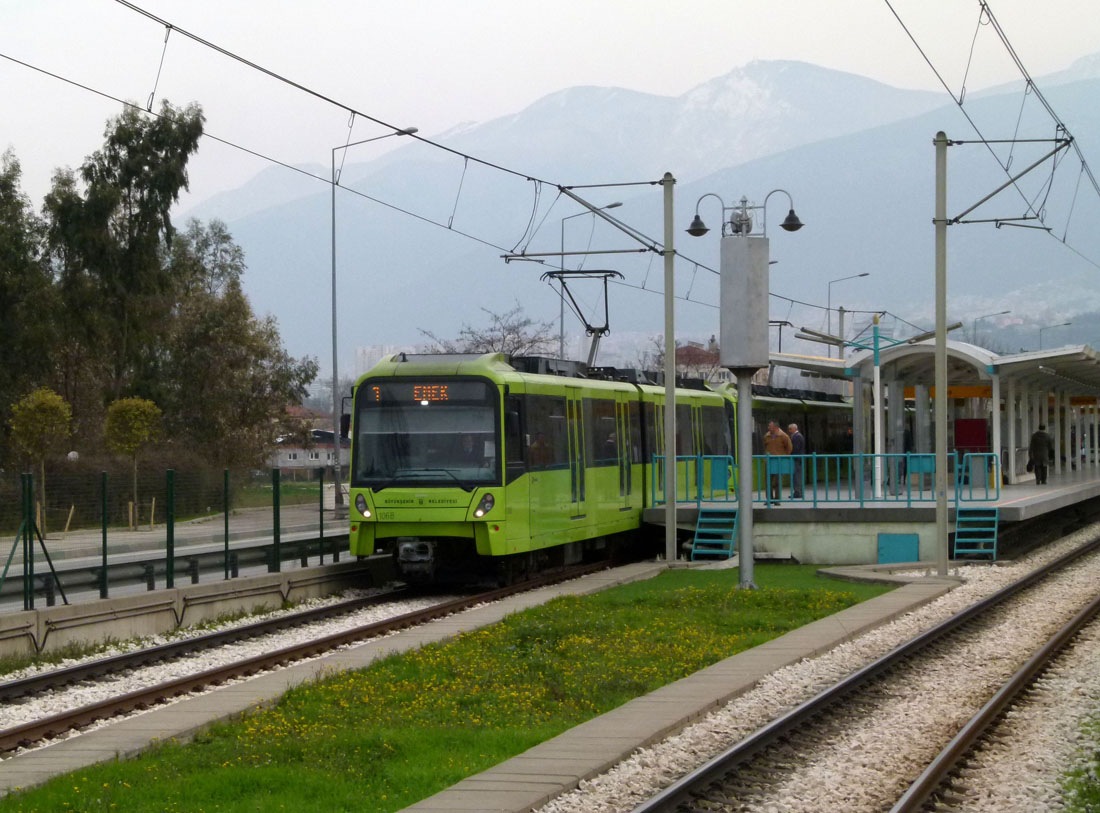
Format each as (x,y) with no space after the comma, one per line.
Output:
(74,696)
(869,750)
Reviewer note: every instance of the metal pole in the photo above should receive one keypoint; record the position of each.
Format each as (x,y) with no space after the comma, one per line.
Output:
(561,297)
(670,374)
(879,431)
(941,353)
(744,481)
(335,378)
(561,319)
(321,513)
(170,532)
(1010,421)
(28,543)
(276,552)
(103,515)
(997,439)
(839,330)
(32,529)
(225,505)
(829,316)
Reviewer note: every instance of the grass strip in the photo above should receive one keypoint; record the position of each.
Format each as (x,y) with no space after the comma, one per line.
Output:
(410,725)
(1081,784)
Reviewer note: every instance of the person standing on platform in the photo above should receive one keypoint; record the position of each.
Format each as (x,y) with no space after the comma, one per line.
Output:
(776,442)
(1040,453)
(798,448)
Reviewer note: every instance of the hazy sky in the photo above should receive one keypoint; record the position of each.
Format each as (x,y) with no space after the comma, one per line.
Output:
(437,63)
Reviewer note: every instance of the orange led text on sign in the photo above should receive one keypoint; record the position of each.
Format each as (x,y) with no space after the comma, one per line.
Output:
(430,392)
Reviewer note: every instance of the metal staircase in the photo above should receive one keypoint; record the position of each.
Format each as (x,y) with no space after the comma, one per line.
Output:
(715,534)
(976,532)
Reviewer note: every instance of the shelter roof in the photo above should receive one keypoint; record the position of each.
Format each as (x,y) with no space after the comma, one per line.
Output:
(1074,368)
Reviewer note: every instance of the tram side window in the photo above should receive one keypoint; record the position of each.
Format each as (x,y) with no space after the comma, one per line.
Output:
(599,418)
(635,413)
(684,445)
(650,430)
(513,437)
(716,431)
(547,435)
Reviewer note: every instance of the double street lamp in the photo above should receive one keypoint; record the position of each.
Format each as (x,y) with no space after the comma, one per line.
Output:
(744,330)
(336,403)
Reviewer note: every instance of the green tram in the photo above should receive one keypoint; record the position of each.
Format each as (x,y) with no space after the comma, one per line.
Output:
(460,460)
(470,465)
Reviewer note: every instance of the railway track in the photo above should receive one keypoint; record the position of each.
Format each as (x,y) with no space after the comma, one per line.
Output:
(942,776)
(747,773)
(55,725)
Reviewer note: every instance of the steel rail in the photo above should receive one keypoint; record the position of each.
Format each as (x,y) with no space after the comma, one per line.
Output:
(722,764)
(57,724)
(932,777)
(155,654)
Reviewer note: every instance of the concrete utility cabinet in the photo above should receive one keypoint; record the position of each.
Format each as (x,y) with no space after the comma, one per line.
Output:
(744,300)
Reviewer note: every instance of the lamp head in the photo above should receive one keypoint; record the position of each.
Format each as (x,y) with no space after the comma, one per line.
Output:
(697,227)
(791,222)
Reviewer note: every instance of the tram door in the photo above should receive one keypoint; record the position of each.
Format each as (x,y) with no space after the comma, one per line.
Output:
(623,436)
(575,422)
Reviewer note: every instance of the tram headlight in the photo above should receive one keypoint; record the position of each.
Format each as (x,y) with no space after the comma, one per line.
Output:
(485,506)
(361,506)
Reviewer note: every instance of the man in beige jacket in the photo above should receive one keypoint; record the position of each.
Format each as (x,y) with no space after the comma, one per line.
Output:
(776,442)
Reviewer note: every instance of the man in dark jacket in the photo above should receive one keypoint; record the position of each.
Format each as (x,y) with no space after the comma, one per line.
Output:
(1040,451)
(798,447)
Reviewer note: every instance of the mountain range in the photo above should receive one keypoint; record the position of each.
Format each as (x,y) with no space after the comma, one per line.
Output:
(855,156)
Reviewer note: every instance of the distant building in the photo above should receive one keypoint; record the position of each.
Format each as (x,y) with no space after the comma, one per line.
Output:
(312,418)
(302,462)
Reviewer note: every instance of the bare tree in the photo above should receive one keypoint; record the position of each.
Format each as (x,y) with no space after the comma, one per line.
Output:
(512,332)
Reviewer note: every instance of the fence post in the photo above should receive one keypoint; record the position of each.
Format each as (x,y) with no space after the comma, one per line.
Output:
(103,583)
(276,555)
(321,512)
(170,532)
(225,505)
(28,542)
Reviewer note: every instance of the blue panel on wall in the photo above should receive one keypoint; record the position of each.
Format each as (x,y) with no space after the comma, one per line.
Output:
(898,548)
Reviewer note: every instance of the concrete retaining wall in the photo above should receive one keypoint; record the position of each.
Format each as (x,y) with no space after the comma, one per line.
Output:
(162,611)
(838,543)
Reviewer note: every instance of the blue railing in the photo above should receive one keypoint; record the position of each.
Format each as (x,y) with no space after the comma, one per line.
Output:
(817,479)
(985,468)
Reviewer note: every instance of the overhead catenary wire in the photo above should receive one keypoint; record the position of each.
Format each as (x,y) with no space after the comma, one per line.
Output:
(160,67)
(650,243)
(986,13)
(248,150)
(263,156)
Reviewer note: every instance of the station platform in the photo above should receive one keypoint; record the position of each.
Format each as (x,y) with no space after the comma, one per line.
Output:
(840,530)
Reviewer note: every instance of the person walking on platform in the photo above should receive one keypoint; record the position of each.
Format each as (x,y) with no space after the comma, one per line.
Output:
(1040,453)
(776,442)
(798,448)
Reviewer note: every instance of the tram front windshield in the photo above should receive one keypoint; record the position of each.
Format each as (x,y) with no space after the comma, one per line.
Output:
(438,433)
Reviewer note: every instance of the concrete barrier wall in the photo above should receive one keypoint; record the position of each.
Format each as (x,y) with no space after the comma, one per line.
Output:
(838,543)
(161,611)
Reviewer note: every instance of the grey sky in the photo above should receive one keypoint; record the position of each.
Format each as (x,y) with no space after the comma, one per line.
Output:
(436,63)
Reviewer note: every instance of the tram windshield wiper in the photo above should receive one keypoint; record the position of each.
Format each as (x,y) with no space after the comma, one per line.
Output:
(407,473)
